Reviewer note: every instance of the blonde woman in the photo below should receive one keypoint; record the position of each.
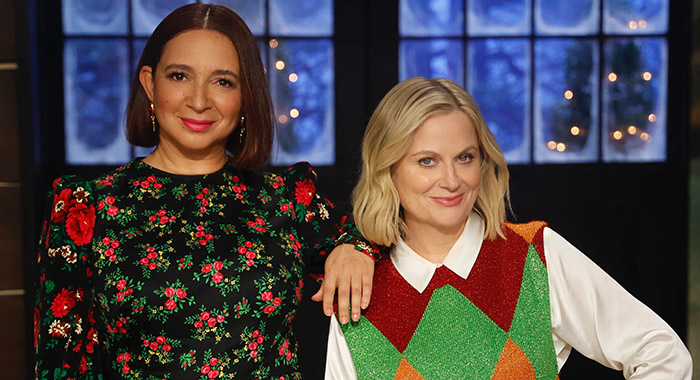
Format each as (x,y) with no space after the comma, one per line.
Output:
(465,294)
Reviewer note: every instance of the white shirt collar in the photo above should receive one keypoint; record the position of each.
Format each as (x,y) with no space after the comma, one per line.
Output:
(418,271)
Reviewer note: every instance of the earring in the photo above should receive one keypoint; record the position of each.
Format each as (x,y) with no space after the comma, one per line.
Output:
(153,117)
(242,133)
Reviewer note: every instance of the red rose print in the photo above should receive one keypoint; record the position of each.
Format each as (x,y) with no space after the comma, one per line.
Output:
(181,293)
(304,191)
(268,309)
(213,361)
(205,315)
(248,244)
(206,268)
(250,255)
(112,211)
(151,178)
(211,322)
(109,200)
(198,324)
(266,296)
(218,265)
(170,304)
(217,277)
(284,207)
(61,203)
(63,303)
(213,374)
(259,221)
(253,345)
(80,222)
(121,284)
(153,346)
(167,347)
(145,184)
(205,369)
(219,318)
(277,301)
(169,292)
(152,266)
(160,339)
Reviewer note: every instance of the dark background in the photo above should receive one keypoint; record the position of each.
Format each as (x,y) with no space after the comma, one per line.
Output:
(631,219)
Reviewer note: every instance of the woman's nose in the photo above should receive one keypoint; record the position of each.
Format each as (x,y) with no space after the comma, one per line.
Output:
(449,179)
(198,98)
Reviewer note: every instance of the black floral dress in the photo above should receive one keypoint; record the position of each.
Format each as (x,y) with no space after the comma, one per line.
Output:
(150,275)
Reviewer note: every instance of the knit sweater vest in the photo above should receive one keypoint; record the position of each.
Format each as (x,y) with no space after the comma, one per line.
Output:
(495,324)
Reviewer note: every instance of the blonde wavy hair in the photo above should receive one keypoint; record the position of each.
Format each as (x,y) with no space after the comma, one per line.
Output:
(376,205)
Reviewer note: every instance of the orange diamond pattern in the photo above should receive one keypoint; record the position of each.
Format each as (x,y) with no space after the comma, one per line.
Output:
(406,372)
(513,362)
(526,230)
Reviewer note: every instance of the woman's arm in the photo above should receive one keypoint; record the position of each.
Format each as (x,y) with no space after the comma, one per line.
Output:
(592,313)
(65,337)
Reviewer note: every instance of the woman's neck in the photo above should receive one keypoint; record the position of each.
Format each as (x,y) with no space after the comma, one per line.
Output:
(176,162)
(431,243)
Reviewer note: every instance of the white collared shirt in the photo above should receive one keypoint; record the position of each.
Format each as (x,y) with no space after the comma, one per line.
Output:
(590,311)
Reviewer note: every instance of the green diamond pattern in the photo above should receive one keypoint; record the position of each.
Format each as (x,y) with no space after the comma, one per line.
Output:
(531,329)
(374,356)
(466,341)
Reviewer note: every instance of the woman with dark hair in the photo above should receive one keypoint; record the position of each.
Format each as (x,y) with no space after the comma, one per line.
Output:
(186,263)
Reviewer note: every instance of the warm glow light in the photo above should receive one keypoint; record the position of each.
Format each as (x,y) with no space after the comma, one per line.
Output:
(293,77)
(552,145)
(646,75)
(274,43)
(568,94)
(283,119)
(561,147)
(632,25)
(612,77)
(617,135)
(575,130)
(294,113)
(642,24)
(645,136)
(652,117)
(631,129)
(279,65)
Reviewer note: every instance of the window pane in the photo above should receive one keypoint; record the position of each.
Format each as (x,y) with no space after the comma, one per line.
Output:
(96,89)
(251,11)
(498,17)
(431,18)
(499,81)
(94,17)
(634,100)
(432,58)
(302,83)
(567,17)
(635,16)
(147,14)
(301,17)
(566,100)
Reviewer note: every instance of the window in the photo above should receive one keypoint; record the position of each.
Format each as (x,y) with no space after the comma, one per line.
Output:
(103,40)
(557,81)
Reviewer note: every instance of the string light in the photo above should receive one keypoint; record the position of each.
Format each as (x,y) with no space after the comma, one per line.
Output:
(612,77)
(279,65)
(561,147)
(652,117)
(631,129)
(632,25)
(283,119)
(293,77)
(642,24)
(552,145)
(575,130)
(644,136)
(617,135)
(294,113)
(274,43)
(568,94)
(646,75)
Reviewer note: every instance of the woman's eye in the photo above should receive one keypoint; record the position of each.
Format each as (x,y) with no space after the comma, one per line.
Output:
(427,161)
(177,76)
(224,83)
(465,157)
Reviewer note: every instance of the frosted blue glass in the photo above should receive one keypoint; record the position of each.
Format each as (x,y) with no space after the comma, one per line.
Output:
(137,46)
(566,100)
(432,58)
(95,17)
(147,14)
(302,84)
(431,18)
(635,98)
(635,16)
(498,17)
(567,17)
(251,11)
(499,81)
(96,75)
(312,18)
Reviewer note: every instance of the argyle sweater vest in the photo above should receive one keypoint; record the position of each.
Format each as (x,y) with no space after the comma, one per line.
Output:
(495,324)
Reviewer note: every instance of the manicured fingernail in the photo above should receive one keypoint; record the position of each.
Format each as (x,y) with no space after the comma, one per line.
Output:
(343,320)
(355,317)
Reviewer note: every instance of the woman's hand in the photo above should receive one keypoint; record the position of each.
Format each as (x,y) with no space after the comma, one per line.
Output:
(350,272)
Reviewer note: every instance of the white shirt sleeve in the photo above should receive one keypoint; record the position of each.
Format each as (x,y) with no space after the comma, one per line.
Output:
(339,365)
(592,313)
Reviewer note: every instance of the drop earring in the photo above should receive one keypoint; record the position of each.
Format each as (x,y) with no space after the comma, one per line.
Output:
(241,135)
(153,117)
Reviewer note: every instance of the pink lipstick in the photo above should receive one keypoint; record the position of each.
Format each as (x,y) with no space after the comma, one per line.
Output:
(448,201)
(197,125)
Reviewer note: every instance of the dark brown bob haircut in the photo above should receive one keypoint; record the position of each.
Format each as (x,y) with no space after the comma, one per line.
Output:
(254,152)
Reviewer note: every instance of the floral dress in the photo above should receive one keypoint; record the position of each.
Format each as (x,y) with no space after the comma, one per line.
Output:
(149,275)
